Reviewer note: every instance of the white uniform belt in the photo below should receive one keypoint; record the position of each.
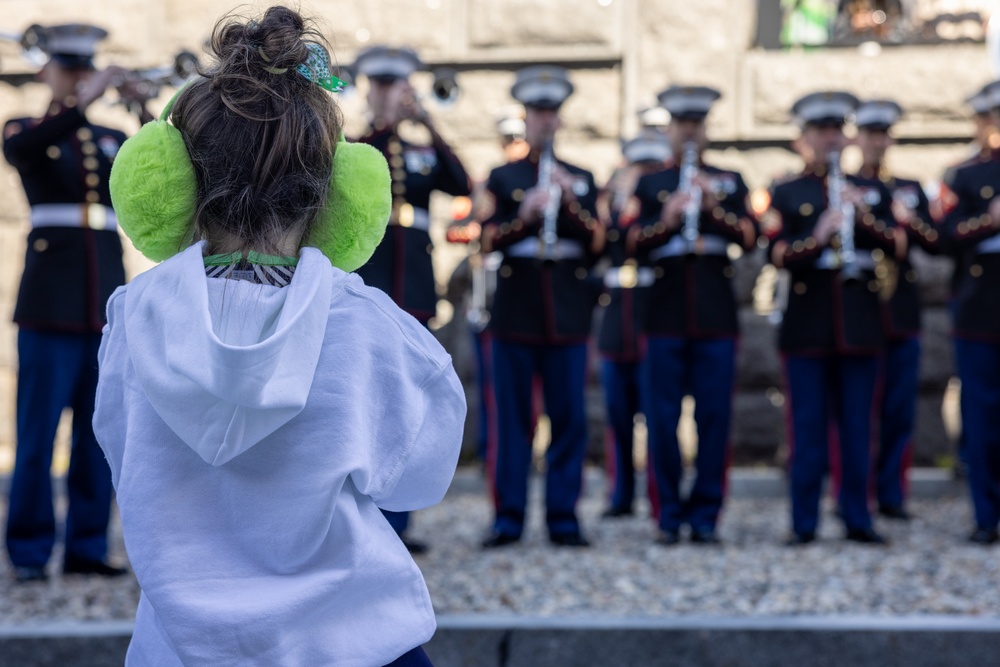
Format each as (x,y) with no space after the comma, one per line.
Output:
(410,216)
(627,277)
(93,216)
(830,259)
(678,247)
(989,246)
(533,247)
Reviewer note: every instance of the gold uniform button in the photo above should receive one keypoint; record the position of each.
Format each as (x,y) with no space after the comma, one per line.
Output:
(878,255)
(718,212)
(963,228)
(659,228)
(613,235)
(505,228)
(398,188)
(729,272)
(975,270)
(40,245)
(798,246)
(932,235)
(517,194)
(580,273)
(92,180)
(872,285)
(395,148)
(574,207)
(92,196)
(800,288)
(505,271)
(662,195)
(987,192)
(398,175)
(911,276)
(806,209)
(517,225)
(53,152)
(89,148)
(604,300)
(396,162)
(810,243)
(731,219)
(84,134)
(584,215)
(90,163)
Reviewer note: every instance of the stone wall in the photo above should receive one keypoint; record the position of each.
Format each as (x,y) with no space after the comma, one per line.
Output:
(621,53)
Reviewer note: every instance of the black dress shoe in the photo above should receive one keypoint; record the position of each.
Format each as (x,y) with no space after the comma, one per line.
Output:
(865,536)
(569,540)
(98,567)
(615,512)
(800,539)
(668,538)
(896,512)
(705,536)
(984,536)
(30,573)
(413,546)
(499,540)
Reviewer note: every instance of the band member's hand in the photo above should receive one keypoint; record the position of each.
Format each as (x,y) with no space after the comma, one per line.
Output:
(829,224)
(93,87)
(994,211)
(903,213)
(674,209)
(412,109)
(533,205)
(709,200)
(565,181)
(853,196)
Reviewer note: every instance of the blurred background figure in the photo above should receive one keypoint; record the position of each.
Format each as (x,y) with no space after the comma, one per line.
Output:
(401,266)
(897,404)
(627,283)
(830,229)
(73,264)
(545,224)
(972,223)
(688,215)
(479,280)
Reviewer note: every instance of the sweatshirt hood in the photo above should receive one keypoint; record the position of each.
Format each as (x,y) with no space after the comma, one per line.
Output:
(225,363)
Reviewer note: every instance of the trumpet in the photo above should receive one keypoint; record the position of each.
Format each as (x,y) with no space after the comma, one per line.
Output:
(550,216)
(140,85)
(835,188)
(444,88)
(686,184)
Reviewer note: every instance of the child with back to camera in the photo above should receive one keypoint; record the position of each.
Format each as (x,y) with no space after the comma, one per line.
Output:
(258,404)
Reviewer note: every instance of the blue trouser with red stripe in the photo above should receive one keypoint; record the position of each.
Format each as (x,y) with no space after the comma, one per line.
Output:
(978,366)
(562,370)
(705,369)
(621,398)
(816,386)
(482,347)
(898,411)
(56,371)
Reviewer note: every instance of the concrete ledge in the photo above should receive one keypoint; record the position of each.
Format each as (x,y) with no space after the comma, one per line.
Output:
(705,641)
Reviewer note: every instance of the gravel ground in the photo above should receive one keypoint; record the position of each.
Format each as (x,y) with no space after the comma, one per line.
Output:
(927,570)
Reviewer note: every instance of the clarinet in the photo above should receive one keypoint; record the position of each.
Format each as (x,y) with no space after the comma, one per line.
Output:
(835,192)
(692,212)
(550,216)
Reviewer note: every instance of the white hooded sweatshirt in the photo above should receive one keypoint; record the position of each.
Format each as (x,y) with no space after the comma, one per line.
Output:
(253,433)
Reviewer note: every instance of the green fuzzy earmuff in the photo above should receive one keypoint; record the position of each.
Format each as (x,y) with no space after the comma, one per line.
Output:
(154,193)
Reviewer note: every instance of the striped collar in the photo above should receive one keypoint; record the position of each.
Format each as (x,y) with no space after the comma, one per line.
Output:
(255,267)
